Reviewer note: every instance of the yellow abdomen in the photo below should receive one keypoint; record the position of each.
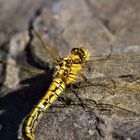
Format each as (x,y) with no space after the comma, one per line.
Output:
(56,87)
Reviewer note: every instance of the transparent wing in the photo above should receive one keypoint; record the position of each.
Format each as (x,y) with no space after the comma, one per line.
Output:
(43,50)
(114,65)
(113,84)
(33,71)
(98,60)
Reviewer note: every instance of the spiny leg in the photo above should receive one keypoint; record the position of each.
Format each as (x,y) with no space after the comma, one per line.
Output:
(81,74)
(66,101)
(84,106)
(107,106)
(89,109)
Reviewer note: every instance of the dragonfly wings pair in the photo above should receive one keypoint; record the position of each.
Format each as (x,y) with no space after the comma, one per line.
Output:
(105,64)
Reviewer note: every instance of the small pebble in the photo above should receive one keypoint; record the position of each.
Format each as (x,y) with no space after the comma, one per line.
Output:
(91,132)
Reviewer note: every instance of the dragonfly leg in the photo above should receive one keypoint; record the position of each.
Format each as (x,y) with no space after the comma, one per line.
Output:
(84,106)
(83,76)
(66,101)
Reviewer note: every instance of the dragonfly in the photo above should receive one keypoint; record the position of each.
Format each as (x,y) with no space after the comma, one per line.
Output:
(67,71)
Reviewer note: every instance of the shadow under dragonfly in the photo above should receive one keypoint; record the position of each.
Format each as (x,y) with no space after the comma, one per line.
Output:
(17,104)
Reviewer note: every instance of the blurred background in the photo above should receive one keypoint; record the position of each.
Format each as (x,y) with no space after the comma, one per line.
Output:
(107,28)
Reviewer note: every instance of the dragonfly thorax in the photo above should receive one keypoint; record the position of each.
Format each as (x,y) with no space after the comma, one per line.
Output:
(62,68)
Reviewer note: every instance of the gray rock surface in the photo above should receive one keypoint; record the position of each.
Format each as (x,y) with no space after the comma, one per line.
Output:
(107,106)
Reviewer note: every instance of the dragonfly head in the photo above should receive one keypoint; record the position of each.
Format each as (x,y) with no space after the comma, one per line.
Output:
(83,53)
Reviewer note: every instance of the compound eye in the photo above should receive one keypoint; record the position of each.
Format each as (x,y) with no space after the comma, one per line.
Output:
(74,50)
